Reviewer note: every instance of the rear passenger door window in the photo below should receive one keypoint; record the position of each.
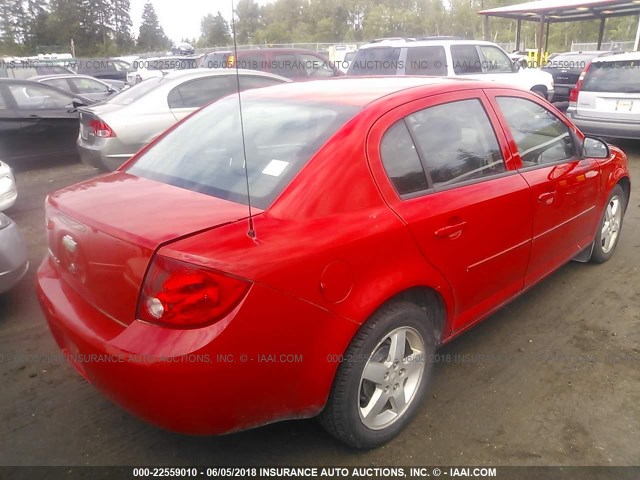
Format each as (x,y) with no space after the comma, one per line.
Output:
(456,142)
(465,59)
(197,93)
(401,160)
(541,137)
(426,61)
(317,67)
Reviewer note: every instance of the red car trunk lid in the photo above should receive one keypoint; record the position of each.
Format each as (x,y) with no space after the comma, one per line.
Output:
(102,234)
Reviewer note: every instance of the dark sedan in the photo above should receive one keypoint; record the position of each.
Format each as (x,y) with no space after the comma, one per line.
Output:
(37,121)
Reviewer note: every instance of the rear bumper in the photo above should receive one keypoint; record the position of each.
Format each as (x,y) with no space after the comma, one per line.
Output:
(105,154)
(256,366)
(14,260)
(604,128)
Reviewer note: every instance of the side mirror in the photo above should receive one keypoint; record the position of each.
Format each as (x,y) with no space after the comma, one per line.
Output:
(595,148)
(516,65)
(78,103)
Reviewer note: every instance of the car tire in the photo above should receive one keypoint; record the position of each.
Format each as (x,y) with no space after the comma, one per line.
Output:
(610,226)
(351,414)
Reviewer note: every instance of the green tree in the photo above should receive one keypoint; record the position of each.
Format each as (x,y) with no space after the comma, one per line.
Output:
(248,20)
(215,31)
(152,36)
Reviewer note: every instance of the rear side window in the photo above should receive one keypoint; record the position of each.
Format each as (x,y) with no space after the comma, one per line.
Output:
(197,93)
(206,153)
(88,85)
(288,65)
(457,142)
(465,59)
(401,160)
(541,137)
(426,61)
(317,67)
(58,83)
(375,61)
(130,95)
(616,77)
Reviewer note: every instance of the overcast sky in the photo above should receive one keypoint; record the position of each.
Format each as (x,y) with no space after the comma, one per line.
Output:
(181,18)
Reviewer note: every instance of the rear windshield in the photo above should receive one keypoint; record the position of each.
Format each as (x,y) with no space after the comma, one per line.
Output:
(375,61)
(205,153)
(571,62)
(616,77)
(125,97)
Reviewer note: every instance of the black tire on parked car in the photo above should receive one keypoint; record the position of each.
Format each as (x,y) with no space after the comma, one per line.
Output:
(388,368)
(610,226)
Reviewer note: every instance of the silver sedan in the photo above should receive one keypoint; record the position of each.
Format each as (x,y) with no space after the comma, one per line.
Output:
(13,248)
(113,131)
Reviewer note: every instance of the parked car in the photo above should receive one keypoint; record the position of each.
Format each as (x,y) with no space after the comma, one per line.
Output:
(84,85)
(565,69)
(104,68)
(448,57)
(24,70)
(113,131)
(183,49)
(346,62)
(14,260)
(144,68)
(294,63)
(606,100)
(37,121)
(314,265)
(8,190)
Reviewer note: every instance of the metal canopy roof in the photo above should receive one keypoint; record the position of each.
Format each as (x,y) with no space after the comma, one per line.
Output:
(554,11)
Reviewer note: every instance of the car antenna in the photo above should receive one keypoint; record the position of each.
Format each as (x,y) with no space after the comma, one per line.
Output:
(251,233)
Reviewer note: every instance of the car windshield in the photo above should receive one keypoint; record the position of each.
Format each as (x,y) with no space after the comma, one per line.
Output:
(375,61)
(618,77)
(130,95)
(205,153)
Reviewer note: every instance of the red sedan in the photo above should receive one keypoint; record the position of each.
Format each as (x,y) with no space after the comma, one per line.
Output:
(214,284)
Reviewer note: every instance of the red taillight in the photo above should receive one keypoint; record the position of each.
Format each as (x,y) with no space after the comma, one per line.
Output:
(100,128)
(573,96)
(179,294)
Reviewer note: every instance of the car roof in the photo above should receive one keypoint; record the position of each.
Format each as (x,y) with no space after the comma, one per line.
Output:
(424,43)
(361,91)
(37,78)
(618,57)
(201,72)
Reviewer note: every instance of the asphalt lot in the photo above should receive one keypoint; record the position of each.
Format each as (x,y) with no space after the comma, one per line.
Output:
(551,379)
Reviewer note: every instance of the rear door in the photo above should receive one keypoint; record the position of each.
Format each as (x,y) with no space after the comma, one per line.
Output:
(611,91)
(565,187)
(449,176)
(12,144)
(50,121)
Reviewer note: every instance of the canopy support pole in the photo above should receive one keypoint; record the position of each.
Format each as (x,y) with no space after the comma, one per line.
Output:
(636,46)
(520,25)
(540,34)
(603,21)
(546,38)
